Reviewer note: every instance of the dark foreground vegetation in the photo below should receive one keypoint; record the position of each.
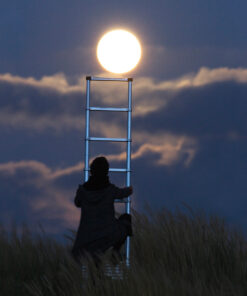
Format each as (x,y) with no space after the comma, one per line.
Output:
(171,254)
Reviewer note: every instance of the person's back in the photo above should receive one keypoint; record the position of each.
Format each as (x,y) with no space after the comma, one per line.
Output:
(99,229)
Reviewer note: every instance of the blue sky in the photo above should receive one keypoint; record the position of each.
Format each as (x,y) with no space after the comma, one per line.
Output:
(189,112)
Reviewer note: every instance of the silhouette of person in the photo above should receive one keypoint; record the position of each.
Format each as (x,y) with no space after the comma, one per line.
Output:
(99,229)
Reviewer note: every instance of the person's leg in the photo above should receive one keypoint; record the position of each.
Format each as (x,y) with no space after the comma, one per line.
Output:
(117,246)
(126,220)
(76,254)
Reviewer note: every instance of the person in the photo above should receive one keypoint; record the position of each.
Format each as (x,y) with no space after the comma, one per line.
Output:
(99,229)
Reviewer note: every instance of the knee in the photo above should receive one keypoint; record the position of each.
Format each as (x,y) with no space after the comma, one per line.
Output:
(126,217)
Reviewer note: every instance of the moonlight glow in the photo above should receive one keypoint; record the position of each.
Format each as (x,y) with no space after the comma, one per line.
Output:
(119,51)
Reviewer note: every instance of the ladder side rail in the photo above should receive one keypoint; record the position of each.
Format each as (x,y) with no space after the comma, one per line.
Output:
(128,161)
(87,131)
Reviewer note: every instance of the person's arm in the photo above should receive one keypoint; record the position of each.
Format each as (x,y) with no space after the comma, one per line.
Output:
(78,197)
(120,193)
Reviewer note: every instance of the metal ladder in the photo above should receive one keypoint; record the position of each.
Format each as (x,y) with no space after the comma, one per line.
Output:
(88,139)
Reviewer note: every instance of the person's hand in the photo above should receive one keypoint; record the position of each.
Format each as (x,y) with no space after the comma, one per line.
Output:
(131,189)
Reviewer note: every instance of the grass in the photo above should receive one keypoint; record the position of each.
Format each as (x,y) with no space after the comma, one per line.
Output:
(171,254)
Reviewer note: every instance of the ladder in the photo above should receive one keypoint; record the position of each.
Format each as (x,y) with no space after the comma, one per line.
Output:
(89,138)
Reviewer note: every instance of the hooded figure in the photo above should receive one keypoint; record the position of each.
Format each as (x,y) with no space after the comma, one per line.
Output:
(99,229)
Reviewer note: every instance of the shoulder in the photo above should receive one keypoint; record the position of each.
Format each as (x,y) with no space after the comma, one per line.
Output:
(80,190)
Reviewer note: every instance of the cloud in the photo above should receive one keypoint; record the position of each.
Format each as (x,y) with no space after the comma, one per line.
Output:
(23,120)
(31,191)
(57,82)
(46,194)
(53,103)
(170,149)
(38,196)
(213,111)
(171,117)
(38,168)
(203,77)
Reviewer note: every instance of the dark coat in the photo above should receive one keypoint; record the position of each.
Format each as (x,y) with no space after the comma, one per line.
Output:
(98,229)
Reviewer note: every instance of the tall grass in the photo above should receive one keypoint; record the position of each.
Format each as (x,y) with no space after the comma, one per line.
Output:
(171,254)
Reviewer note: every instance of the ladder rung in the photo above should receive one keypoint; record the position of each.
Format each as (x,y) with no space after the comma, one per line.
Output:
(108,139)
(108,109)
(118,170)
(121,200)
(108,79)
(114,170)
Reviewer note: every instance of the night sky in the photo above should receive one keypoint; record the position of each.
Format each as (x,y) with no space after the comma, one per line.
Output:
(189,106)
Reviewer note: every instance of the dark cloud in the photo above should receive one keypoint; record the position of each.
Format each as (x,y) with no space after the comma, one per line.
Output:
(30,195)
(215,182)
(217,110)
(37,101)
(189,145)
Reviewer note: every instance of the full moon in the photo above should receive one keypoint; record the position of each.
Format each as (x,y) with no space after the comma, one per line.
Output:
(119,51)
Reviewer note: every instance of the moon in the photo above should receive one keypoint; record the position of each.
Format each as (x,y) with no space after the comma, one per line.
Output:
(119,51)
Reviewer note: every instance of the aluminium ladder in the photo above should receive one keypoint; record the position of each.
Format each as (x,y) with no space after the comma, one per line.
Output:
(89,138)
